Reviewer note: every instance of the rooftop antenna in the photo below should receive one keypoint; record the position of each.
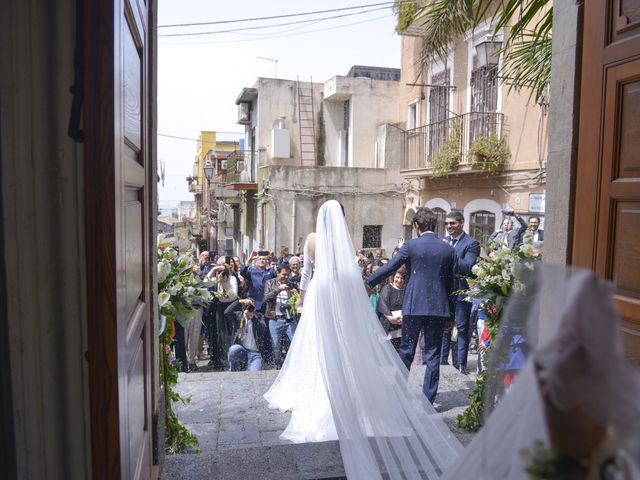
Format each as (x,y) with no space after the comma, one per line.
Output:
(275,60)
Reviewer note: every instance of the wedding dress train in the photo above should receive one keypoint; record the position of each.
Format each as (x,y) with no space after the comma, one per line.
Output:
(343,379)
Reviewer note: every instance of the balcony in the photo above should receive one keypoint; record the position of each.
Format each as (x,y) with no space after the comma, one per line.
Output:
(195,188)
(425,146)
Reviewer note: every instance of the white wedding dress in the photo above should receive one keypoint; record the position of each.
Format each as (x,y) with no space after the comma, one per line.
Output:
(343,379)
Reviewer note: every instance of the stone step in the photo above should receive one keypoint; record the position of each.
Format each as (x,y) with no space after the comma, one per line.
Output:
(307,461)
(240,435)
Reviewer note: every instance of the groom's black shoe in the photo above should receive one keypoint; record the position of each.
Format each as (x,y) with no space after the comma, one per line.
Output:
(464,371)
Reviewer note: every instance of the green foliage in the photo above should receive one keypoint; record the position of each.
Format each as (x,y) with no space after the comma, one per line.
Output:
(292,303)
(526,51)
(443,21)
(471,418)
(542,463)
(489,153)
(406,13)
(495,278)
(448,157)
(177,437)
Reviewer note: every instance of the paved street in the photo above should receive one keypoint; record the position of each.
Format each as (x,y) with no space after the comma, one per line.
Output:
(239,434)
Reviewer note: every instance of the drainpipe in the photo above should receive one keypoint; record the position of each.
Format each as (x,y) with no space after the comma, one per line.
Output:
(260,222)
(293,223)
(275,226)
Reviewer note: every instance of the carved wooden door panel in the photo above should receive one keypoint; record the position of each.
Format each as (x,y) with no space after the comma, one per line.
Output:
(607,223)
(120,234)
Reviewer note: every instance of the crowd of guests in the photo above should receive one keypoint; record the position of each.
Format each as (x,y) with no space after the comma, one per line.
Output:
(252,310)
(253,315)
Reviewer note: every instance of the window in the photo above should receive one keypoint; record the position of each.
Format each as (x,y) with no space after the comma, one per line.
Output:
(412,120)
(482,225)
(484,99)
(372,236)
(441,215)
(346,122)
(438,112)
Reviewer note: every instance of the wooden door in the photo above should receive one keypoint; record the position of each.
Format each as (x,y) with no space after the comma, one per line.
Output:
(607,205)
(120,192)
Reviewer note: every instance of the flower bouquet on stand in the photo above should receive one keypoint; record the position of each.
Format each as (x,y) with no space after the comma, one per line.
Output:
(496,277)
(179,293)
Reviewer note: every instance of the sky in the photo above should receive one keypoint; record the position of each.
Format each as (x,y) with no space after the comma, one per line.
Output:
(200,76)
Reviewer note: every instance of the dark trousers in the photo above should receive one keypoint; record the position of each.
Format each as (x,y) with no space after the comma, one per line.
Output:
(461,347)
(179,345)
(432,331)
(210,321)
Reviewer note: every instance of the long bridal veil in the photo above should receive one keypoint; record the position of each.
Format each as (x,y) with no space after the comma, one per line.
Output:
(385,425)
(576,394)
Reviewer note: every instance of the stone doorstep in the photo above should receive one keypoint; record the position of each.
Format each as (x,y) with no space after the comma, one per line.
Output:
(310,461)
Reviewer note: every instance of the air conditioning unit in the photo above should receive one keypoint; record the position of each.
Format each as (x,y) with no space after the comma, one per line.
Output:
(240,166)
(244,113)
(223,164)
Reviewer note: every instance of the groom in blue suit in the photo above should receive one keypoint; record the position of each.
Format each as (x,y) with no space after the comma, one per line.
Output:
(467,251)
(429,300)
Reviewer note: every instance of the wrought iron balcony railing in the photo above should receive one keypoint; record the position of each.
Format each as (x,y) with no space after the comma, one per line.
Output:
(455,134)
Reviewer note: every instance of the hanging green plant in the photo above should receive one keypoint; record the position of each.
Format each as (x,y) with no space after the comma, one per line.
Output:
(490,153)
(448,157)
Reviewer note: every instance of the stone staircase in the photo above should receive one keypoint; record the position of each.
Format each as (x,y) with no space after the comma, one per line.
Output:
(239,434)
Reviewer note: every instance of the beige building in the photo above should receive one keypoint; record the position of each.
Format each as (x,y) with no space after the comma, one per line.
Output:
(470,143)
(310,142)
(216,210)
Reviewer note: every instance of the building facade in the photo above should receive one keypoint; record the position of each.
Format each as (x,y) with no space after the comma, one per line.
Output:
(470,143)
(215,209)
(310,142)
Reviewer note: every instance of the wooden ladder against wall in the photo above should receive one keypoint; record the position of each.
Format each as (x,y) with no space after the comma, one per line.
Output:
(306,123)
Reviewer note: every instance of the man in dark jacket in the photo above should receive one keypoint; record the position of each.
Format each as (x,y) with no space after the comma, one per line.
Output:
(251,333)
(277,292)
(467,251)
(429,302)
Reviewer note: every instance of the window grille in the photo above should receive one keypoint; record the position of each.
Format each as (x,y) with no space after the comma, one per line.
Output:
(372,236)
(440,215)
(481,226)
(438,111)
(484,98)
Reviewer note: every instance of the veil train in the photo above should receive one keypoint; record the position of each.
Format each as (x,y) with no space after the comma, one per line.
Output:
(342,378)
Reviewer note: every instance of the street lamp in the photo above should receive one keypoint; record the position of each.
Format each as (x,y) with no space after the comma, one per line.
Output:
(208,170)
(488,51)
(208,173)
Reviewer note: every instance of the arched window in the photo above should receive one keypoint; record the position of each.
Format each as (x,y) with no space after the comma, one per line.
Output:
(440,214)
(481,226)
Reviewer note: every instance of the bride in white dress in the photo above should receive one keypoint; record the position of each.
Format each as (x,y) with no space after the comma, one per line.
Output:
(342,379)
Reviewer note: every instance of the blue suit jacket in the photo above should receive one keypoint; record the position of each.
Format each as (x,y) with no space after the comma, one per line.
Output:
(467,252)
(430,276)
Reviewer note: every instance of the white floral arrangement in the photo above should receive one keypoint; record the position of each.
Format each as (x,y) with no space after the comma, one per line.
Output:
(179,290)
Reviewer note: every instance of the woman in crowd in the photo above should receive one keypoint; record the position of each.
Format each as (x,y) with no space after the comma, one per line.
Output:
(390,308)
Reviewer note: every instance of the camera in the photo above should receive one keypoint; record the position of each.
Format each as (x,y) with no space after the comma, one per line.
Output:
(249,308)
(284,309)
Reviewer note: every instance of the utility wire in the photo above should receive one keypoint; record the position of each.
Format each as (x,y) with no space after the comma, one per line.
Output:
(277,36)
(195,139)
(273,25)
(219,22)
